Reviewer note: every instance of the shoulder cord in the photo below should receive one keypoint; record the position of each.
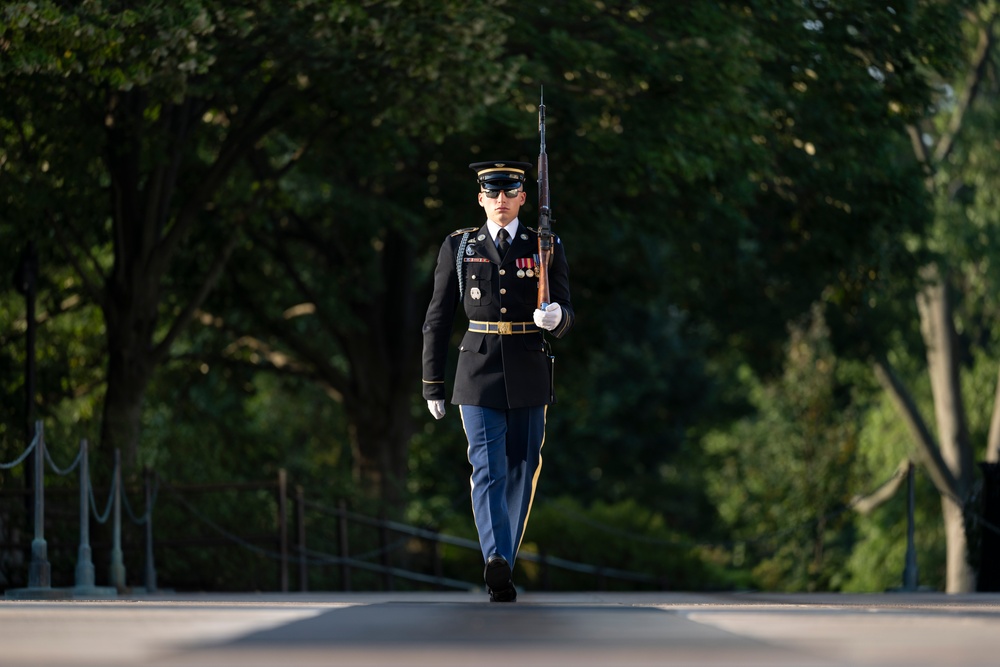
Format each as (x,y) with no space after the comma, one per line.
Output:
(458,265)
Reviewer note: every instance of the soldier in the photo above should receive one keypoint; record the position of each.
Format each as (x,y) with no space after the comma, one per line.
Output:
(503,382)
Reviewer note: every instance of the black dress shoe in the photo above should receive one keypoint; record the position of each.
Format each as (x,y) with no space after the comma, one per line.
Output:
(497,576)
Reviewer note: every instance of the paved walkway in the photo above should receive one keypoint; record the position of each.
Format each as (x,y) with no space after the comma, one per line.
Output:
(550,629)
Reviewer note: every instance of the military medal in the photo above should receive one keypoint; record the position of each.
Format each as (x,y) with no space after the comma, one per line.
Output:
(524,265)
(534,264)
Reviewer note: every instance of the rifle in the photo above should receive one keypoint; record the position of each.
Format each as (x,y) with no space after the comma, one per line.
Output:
(545,235)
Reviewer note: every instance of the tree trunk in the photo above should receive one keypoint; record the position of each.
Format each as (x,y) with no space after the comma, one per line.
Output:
(380,436)
(938,330)
(130,318)
(384,362)
(128,379)
(960,577)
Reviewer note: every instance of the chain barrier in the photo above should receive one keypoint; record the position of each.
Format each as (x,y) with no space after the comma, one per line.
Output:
(311,557)
(71,468)
(381,551)
(391,525)
(466,543)
(215,526)
(321,559)
(236,539)
(48,457)
(24,454)
(139,521)
(102,518)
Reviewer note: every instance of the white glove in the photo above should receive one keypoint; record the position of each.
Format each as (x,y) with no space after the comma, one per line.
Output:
(436,408)
(549,318)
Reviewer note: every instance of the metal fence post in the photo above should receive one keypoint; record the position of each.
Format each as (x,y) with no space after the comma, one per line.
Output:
(150,563)
(436,555)
(39,571)
(383,537)
(26,283)
(300,521)
(283,527)
(345,569)
(85,586)
(84,561)
(117,570)
(910,569)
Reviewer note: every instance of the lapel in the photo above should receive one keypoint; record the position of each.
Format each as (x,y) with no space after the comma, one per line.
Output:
(521,247)
(486,248)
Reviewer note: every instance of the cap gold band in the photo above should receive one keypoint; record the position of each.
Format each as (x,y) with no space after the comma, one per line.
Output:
(508,169)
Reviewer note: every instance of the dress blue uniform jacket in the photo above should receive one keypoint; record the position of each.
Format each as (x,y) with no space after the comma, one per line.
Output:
(494,371)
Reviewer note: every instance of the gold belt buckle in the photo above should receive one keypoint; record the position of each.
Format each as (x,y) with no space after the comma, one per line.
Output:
(503,328)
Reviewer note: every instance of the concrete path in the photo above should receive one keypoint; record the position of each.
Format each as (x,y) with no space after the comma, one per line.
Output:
(550,629)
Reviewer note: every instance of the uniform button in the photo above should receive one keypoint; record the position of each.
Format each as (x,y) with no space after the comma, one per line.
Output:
(473,278)
(503,310)
(503,272)
(503,290)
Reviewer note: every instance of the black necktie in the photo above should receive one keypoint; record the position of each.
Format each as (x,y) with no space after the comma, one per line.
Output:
(502,243)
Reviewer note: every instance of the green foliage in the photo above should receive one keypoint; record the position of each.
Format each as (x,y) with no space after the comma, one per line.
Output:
(67,356)
(781,478)
(624,536)
(718,169)
(878,557)
(645,386)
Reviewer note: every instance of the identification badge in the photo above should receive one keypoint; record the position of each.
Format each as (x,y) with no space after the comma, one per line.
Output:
(475,293)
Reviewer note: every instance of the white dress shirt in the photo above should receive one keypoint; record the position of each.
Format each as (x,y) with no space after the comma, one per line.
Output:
(495,229)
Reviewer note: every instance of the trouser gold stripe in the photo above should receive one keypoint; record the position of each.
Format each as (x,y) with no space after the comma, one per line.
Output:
(534,482)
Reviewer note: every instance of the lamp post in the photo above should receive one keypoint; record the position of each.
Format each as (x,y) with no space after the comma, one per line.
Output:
(26,282)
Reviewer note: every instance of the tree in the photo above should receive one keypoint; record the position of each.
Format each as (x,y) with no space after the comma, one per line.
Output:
(781,477)
(947,142)
(128,127)
(731,165)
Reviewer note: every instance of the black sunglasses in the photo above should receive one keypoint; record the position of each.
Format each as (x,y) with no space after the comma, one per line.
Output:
(510,194)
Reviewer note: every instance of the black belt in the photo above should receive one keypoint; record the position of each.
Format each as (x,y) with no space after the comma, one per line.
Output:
(503,328)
